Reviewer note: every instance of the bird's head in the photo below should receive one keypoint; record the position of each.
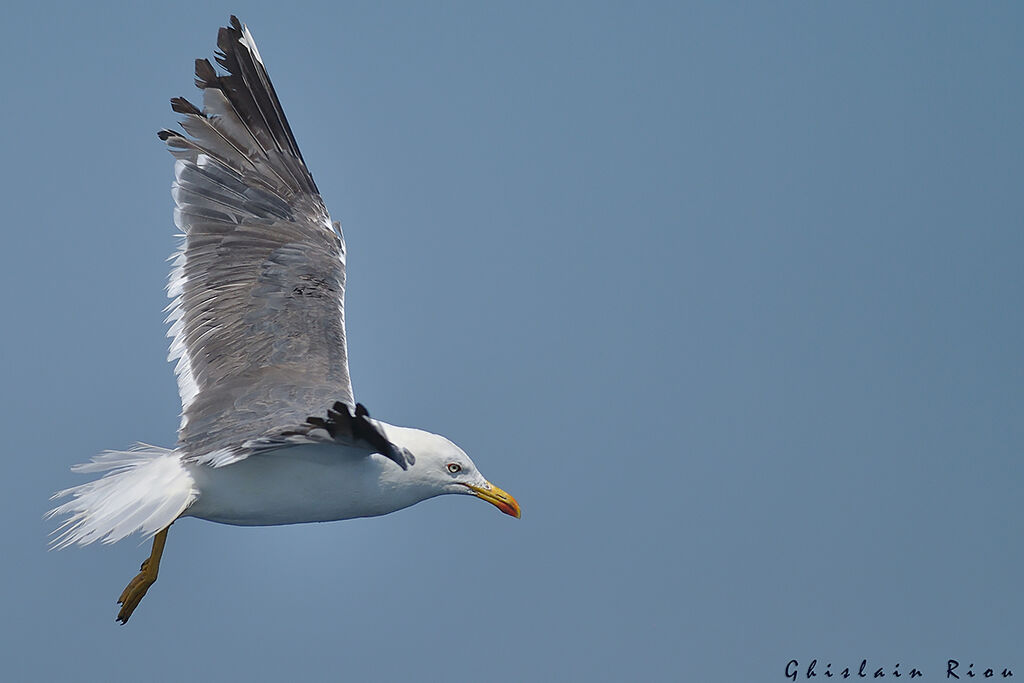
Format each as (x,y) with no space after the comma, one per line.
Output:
(442,467)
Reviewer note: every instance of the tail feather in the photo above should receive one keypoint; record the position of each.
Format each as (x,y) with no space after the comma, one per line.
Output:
(143,489)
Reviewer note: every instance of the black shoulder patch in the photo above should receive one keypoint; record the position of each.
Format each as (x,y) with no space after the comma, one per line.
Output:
(347,427)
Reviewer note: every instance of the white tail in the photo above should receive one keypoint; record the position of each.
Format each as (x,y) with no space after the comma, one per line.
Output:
(144,489)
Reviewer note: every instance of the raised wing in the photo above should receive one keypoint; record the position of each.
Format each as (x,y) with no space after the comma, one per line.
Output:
(258,285)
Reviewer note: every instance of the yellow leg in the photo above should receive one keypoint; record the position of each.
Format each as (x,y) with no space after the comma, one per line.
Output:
(136,589)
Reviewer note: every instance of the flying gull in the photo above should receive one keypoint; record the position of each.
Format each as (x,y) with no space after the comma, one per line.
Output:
(270,431)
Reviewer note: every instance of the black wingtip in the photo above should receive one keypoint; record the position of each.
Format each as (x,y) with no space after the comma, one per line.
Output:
(206,75)
(179,105)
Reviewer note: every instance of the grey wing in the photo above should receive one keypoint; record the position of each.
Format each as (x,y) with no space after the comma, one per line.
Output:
(258,284)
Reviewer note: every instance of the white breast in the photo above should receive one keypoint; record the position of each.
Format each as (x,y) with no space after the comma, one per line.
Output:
(310,483)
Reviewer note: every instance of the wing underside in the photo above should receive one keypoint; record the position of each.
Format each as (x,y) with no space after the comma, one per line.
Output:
(258,285)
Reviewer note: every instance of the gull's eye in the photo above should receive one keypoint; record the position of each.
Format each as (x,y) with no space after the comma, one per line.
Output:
(454,467)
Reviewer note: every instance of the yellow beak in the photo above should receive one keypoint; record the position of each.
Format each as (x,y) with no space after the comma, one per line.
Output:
(496,497)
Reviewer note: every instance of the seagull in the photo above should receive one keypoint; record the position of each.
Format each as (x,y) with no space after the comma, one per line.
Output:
(270,432)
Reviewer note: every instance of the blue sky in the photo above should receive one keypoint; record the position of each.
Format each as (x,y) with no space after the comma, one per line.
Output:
(728,296)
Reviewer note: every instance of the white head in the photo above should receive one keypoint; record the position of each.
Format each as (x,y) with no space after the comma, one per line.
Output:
(441,467)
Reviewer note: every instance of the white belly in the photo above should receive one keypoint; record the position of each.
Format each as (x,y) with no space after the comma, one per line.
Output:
(300,484)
